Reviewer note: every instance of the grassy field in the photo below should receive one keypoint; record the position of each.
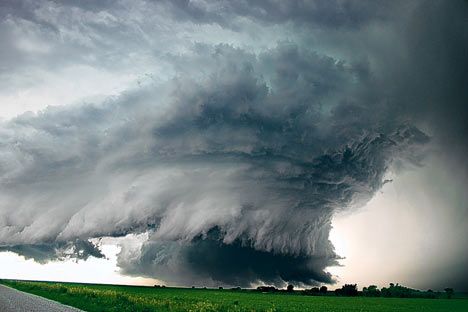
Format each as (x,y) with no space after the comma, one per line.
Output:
(129,298)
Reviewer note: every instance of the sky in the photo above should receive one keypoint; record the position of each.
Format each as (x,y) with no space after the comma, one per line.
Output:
(234,143)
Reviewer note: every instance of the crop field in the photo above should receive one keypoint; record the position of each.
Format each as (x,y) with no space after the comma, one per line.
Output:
(91,297)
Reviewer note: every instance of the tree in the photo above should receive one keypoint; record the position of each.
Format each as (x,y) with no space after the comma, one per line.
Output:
(449,292)
(399,291)
(371,291)
(323,289)
(290,288)
(266,288)
(311,292)
(347,290)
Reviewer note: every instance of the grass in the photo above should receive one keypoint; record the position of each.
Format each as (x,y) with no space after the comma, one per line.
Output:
(92,297)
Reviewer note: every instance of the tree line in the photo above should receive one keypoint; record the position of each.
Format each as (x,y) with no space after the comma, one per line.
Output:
(351,290)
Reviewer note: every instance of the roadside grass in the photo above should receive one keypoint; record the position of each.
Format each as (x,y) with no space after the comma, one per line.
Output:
(100,298)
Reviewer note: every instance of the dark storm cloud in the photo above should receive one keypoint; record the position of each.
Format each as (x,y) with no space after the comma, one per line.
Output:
(434,73)
(238,264)
(262,148)
(45,252)
(245,152)
(208,261)
(334,13)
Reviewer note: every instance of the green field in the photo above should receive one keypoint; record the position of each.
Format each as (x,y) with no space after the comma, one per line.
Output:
(91,297)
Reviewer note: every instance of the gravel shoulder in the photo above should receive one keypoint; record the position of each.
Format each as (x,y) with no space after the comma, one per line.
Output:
(12,300)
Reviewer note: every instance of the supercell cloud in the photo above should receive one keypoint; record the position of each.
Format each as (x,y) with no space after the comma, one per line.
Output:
(231,158)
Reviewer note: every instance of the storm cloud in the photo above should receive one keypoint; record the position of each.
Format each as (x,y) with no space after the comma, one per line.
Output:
(249,151)
(232,159)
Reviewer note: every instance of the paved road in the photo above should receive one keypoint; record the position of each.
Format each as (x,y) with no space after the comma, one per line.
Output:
(12,300)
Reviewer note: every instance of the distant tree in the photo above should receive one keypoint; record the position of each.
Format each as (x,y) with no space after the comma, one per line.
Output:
(449,292)
(290,288)
(347,290)
(399,291)
(371,291)
(430,294)
(220,288)
(323,289)
(314,291)
(266,288)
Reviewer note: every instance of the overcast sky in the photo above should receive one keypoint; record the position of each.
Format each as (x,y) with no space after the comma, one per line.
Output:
(234,142)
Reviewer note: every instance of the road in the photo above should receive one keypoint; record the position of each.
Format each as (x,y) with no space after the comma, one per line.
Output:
(12,300)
